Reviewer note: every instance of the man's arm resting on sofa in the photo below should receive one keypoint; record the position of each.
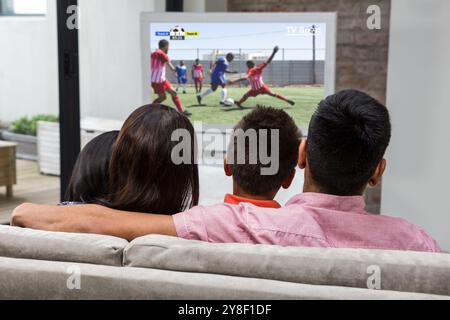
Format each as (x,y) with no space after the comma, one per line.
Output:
(92,219)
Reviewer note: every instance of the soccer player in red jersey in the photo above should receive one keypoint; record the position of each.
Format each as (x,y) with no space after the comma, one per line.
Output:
(197,76)
(160,84)
(254,76)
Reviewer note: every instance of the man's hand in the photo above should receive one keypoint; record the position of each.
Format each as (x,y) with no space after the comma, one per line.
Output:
(19,215)
(231,82)
(49,218)
(92,219)
(171,66)
(275,50)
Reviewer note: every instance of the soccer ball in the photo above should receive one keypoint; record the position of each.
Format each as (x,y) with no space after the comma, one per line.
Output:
(229,102)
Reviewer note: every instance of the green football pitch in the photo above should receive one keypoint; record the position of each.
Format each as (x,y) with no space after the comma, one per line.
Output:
(211,112)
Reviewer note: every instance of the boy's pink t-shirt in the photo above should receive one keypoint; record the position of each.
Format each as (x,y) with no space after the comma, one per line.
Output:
(308,220)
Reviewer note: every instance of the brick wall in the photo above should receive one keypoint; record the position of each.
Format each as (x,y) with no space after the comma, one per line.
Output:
(361,54)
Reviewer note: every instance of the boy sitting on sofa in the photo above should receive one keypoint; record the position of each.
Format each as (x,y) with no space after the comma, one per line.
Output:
(263,132)
(343,155)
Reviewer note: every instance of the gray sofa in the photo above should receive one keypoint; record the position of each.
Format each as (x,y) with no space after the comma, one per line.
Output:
(49,265)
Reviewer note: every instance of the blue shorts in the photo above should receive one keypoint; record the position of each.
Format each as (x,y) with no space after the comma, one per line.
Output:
(182,79)
(218,80)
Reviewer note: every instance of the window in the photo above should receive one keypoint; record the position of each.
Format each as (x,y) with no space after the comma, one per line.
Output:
(23,7)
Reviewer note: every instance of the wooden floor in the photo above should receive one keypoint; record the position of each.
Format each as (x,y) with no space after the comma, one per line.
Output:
(31,187)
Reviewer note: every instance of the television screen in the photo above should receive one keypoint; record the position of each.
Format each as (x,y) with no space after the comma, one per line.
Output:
(227,63)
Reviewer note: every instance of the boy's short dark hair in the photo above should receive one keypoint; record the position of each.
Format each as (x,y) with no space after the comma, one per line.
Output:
(250,64)
(248,176)
(163,44)
(348,136)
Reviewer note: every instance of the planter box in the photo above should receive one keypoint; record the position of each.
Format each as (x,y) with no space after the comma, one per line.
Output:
(48,140)
(26,145)
(48,147)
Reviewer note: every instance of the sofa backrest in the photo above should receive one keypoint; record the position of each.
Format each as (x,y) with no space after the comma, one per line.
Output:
(59,246)
(375,269)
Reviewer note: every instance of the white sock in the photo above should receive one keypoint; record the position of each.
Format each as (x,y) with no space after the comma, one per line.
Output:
(184,87)
(206,93)
(223,95)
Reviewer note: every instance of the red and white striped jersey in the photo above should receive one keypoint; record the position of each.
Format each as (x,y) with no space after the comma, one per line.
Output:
(197,71)
(158,66)
(255,76)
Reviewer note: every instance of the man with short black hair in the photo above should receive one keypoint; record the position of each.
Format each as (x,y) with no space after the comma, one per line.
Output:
(347,138)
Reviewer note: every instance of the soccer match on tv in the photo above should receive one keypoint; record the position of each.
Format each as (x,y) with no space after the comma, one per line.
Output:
(216,72)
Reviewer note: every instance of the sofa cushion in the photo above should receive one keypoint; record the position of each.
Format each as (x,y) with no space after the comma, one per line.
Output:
(360,268)
(33,279)
(58,246)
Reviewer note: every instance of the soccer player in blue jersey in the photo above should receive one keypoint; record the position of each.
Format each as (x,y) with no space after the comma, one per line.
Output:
(218,72)
(181,71)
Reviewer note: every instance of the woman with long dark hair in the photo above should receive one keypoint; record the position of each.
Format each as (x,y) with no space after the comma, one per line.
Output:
(133,170)
(90,176)
(143,177)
